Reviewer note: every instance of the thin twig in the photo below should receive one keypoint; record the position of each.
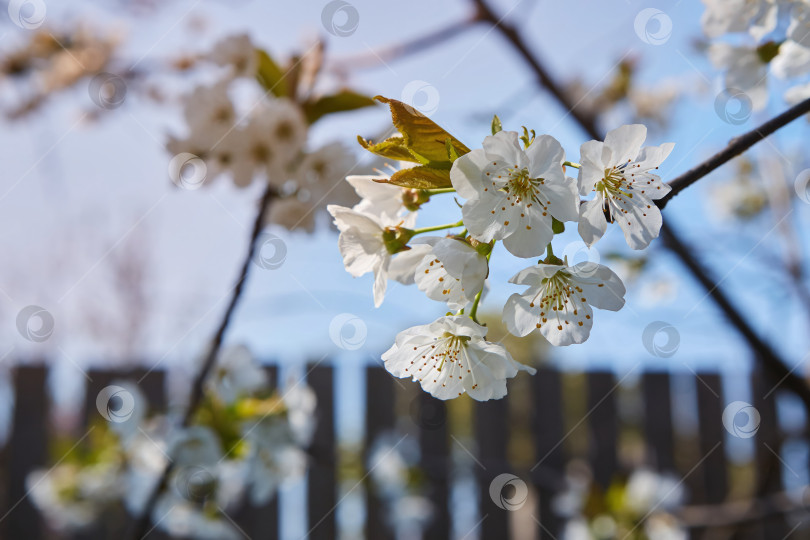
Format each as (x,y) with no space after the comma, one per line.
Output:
(765,353)
(141,524)
(587,122)
(374,58)
(737,146)
(738,512)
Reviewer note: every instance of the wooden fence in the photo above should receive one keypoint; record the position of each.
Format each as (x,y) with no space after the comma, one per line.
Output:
(546,421)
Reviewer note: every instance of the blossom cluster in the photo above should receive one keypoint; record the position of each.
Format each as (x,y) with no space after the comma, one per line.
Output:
(515,191)
(770,47)
(244,443)
(645,503)
(258,140)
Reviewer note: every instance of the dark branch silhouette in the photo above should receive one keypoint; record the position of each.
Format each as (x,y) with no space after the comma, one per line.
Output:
(764,353)
(737,146)
(141,525)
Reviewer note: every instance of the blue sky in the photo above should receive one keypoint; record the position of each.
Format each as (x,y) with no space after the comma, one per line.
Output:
(80,194)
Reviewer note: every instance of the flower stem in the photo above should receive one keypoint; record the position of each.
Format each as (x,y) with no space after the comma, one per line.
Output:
(474,308)
(437,227)
(571,164)
(438,191)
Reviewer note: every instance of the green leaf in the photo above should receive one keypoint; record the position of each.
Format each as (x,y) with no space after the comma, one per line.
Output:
(421,177)
(345,100)
(496,125)
(452,154)
(391,148)
(421,135)
(271,76)
(558,227)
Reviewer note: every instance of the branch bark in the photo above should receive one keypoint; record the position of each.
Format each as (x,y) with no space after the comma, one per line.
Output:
(587,122)
(765,354)
(408,48)
(737,146)
(141,525)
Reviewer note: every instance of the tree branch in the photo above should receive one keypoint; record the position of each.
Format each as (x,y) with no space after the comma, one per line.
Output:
(765,354)
(737,146)
(141,525)
(587,122)
(413,46)
(769,358)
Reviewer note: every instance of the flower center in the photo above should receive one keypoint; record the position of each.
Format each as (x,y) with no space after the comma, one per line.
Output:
(556,292)
(449,349)
(614,183)
(522,185)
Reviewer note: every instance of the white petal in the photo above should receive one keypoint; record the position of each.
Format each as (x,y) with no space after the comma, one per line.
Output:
(380,281)
(463,261)
(600,285)
(504,147)
(793,60)
(432,278)
(639,219)
(467,174)
(567,326)
(361,253)
(563,198)
(518,317)
(533,275)
(592,222)
(625,142)
(479,219)
(531,236)
(544,154)
(347,217)
(403,264)
(592,166)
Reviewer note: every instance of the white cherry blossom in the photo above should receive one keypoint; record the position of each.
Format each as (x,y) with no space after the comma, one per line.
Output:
(793,60)
(453,272)
(286,127)
(384,200)
(758,17)
(559,298)
(238,53)
(364,250)
(209,111)
(316,181)
(451,356)
(799,28)
(513,193)
(236,374)
(619,172)
(745,70)
(797,94)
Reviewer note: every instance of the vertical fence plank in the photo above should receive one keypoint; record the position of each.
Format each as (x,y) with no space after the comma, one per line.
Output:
(379,419)
(604,428)
(658,421)
(768,442)
(709,474)
(260,522)
(712,470)
(435,462)
(28,450)
(321,478)
(152,384)
(547,425)
(491,435)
